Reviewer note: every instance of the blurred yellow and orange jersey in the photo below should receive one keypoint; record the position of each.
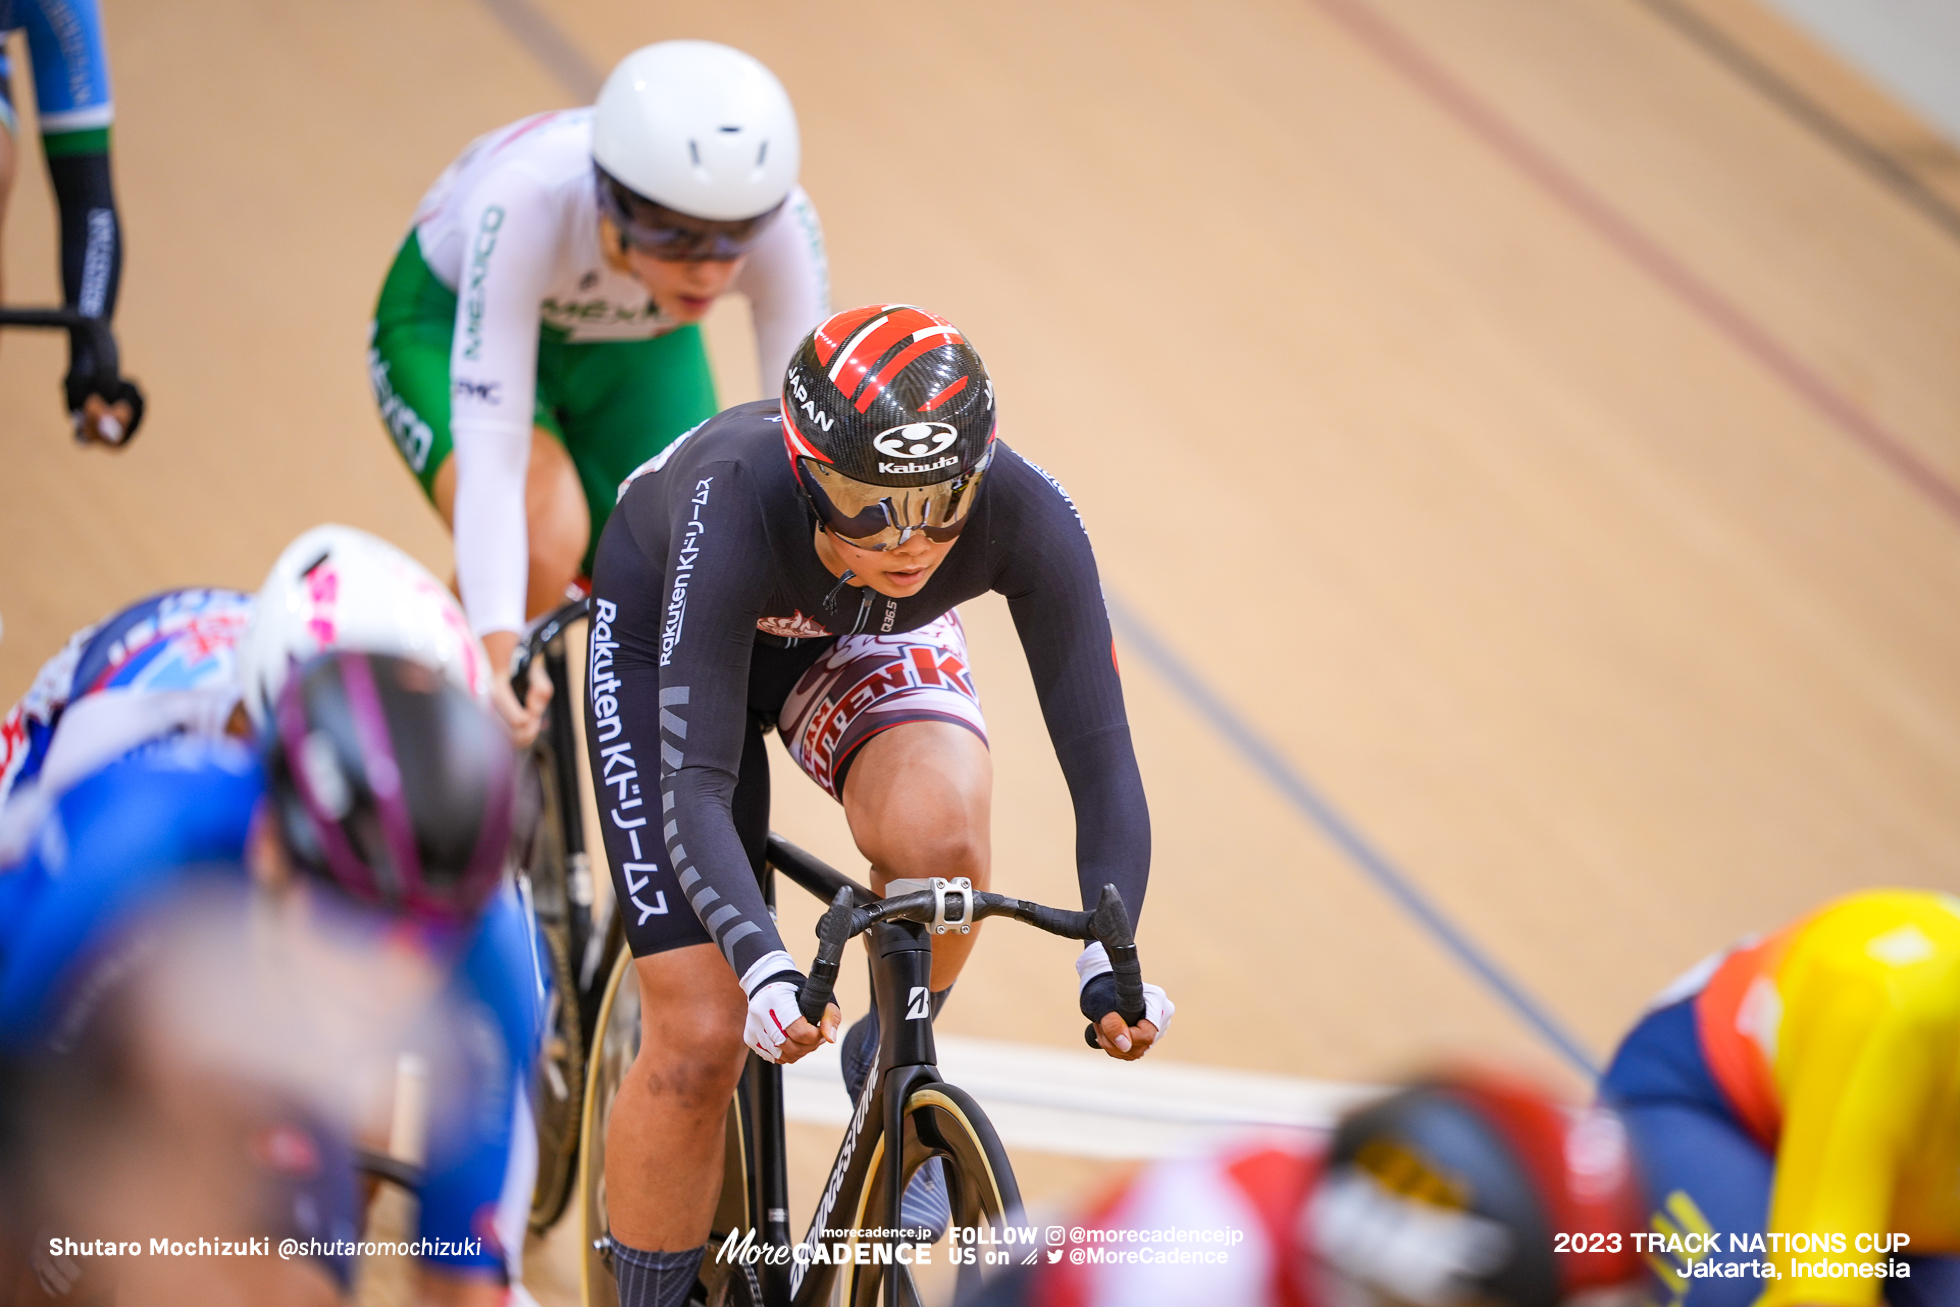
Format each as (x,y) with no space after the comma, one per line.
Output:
(1837,1042)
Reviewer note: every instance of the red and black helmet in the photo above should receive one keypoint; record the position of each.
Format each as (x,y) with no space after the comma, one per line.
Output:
(888,417)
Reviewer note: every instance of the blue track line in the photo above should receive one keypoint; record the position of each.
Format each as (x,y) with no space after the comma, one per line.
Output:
(1345,836)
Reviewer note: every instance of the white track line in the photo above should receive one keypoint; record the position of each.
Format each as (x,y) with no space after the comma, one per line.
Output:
(1083,1104)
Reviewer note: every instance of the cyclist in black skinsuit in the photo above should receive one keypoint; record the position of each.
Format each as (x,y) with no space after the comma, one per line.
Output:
(803,575)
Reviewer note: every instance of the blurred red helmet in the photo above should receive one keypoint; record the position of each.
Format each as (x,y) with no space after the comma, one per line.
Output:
(1454,1189)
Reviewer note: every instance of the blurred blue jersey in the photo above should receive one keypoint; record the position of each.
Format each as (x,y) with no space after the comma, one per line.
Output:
(71,64)
(134,837)
(115,845)
(164,664)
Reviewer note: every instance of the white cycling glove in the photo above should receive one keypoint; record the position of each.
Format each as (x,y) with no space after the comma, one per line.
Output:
(772,1011)
(771,982)
(1158,1009)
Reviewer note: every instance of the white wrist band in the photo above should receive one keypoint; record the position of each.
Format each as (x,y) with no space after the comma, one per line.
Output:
(767,965)
(1091,962)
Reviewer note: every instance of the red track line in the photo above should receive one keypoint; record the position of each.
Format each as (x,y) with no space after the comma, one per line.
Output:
(1406,58)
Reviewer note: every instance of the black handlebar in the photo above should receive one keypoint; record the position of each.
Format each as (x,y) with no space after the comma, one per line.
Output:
(96,341)
(847,917)
(102,341)
(392,1169)
(835,928)
(541,633)
(1112,927)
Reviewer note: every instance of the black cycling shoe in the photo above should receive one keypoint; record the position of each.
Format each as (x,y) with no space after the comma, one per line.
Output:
(928,1203)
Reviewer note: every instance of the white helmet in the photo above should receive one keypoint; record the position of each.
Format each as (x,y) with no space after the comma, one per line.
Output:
(698,128)
(339,588)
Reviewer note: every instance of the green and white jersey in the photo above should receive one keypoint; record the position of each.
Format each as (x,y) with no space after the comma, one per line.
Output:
(512,227)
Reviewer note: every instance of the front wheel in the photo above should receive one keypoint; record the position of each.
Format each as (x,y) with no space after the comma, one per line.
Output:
(943,1121)
(615,1043)
(561,1087)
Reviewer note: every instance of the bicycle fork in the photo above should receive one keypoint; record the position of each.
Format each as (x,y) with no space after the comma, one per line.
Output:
(901,977)
(901,986)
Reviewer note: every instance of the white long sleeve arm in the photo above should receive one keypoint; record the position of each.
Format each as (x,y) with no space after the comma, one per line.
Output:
(493,365)
(787,282)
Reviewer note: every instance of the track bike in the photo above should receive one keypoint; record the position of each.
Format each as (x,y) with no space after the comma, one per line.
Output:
(577,933)
(906,1115)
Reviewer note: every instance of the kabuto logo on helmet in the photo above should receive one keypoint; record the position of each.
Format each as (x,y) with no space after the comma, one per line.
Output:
(908,468)
(915,439)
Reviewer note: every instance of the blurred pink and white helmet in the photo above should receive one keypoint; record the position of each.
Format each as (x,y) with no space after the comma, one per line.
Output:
(336,588)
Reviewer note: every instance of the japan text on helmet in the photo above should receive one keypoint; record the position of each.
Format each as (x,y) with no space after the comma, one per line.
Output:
(393,784)
(339,588)
(1452,1190)
(696,149)
(888,416)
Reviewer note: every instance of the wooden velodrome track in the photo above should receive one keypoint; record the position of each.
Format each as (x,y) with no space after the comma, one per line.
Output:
(1542,440)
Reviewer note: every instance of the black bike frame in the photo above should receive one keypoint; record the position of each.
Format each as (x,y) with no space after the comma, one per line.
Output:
(763,1095)
(901,968)
(901,971)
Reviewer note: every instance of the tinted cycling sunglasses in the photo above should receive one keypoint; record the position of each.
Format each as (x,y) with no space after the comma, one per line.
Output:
(676,237)
(878,518)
